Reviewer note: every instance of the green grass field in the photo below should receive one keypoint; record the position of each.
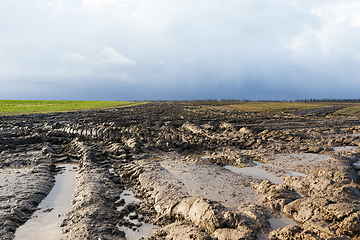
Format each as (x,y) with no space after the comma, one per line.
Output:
(16,107)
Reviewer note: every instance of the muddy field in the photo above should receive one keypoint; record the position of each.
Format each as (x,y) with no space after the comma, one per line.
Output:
(169,171)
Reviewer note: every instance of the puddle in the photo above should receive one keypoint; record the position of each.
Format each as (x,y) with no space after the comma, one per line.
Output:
(257,172)
(111,170)
(33,152)
(145,230)
(304,157)
(44,222)
(212,182)
(195,154)
(295,164)
(200,155)
(261,173)
(280,222)
(345,148)
(155,159)
(291,173)
(286,172)
(356,165)
(127,197)
(275,223)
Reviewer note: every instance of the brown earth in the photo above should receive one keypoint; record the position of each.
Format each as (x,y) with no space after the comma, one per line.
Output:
(157,151)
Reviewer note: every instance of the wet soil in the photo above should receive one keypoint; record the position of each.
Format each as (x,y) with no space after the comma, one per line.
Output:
(214,174)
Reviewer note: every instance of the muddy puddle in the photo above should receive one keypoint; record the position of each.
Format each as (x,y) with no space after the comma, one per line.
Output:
(211,181)
(142,229)
(44,222)
(257,172)
(200,155)
(276,223)
(127,197)
(294,164)
(281,221)
(345,148)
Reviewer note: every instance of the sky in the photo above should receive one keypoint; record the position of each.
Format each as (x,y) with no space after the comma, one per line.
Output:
(179,49)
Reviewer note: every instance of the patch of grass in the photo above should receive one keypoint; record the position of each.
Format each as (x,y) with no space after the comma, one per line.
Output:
(15,107)
(277,107)
(353,110)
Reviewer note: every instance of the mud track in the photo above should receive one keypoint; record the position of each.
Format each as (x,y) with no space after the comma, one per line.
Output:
(172,157)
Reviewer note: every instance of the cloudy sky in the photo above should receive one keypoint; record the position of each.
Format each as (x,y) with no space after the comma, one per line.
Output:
(179,49)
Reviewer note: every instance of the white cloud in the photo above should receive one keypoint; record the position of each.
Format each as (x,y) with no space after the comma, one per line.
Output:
(59,5)
(340,26)
(73,57)
(98,3)
(340,13)
(110,56)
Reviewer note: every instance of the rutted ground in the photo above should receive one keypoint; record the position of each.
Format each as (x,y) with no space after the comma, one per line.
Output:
(156,151)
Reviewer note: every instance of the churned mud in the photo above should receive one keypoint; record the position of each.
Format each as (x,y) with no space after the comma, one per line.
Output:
(175,171)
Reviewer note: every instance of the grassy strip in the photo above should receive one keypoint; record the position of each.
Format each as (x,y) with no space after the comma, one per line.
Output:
(16,107)
(273,107)
(279,107)
(349,111)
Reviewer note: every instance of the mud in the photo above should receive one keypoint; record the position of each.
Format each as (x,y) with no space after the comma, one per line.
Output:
(189,171)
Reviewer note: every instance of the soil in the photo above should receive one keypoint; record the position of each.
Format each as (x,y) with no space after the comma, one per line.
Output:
(175,159)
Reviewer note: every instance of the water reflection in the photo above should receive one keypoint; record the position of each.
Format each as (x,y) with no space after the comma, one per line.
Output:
(44,222)
(145,230)
(257,172)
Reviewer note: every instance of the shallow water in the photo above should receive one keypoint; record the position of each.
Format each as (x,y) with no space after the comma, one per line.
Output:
(338,149)
(128,197)
(275,223)
(144,231)
(291,173)
(286,173)
(280,222)
(134,234)
(44,222)
(212,182)
(257,172)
